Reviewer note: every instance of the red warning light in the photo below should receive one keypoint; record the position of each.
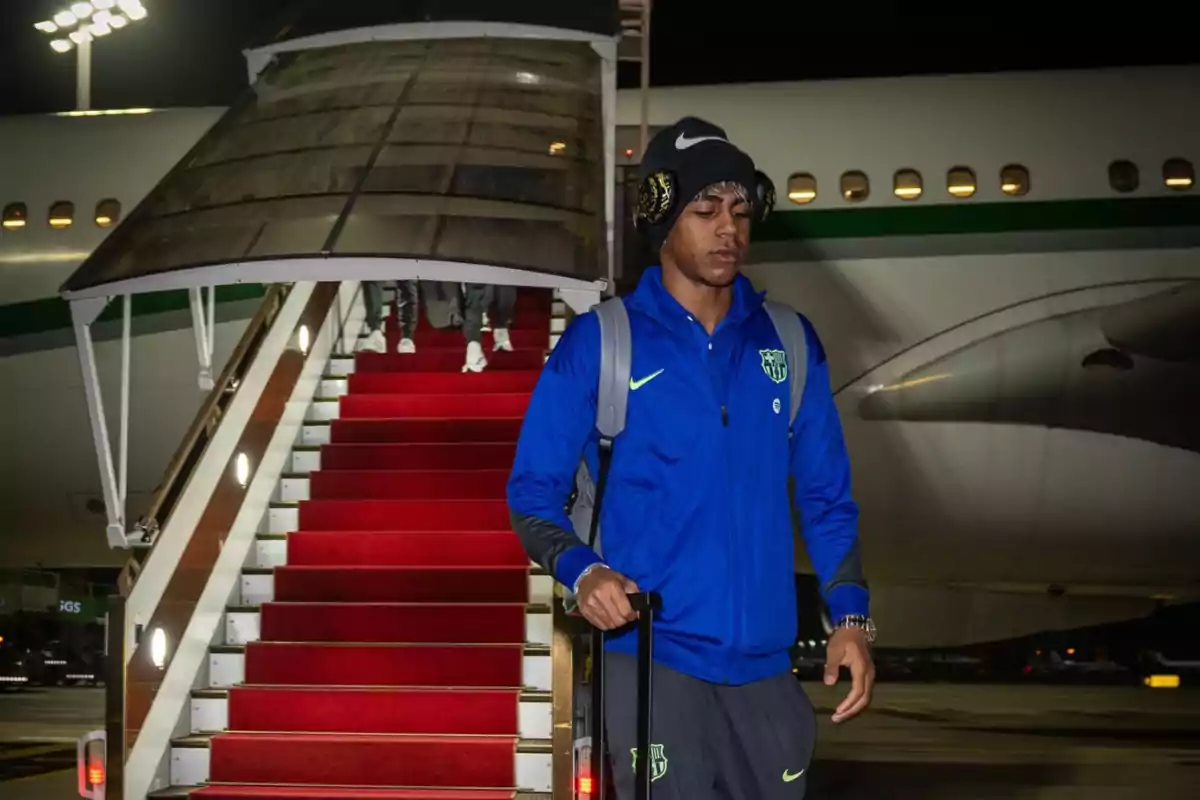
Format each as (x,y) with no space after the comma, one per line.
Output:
(95,772)
(585,786)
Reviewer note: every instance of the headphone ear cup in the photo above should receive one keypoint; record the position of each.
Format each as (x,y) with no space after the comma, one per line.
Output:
(656,198)
(765,196)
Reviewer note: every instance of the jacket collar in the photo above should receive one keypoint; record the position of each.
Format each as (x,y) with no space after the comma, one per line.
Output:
(652,298)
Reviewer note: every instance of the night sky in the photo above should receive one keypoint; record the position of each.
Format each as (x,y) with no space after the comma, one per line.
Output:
(189,51)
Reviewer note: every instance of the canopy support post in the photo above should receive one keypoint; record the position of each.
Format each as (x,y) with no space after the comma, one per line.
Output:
(202,324)
(126,338)
(83,314)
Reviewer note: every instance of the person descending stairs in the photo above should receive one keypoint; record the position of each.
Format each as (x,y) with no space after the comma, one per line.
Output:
(402,642)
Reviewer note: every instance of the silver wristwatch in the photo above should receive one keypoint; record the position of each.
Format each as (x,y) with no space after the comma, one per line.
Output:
(863,623)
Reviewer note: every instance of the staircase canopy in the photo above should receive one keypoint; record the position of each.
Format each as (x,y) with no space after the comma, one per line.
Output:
(481,150)
(326,16)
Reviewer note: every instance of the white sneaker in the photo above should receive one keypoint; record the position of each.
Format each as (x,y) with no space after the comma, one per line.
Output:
(487,325)
(501,340)
(406,346)
(376,342)
(475,358)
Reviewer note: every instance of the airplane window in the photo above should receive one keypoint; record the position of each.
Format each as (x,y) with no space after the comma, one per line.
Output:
(1178,173)
(960,181)
(855,186)
(1014,180)
(62,214)
(907,184)
(14,216)
(802,188)
(108,213)
(1123,176)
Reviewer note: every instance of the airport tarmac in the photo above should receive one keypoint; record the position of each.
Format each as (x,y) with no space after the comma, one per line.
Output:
(933,741)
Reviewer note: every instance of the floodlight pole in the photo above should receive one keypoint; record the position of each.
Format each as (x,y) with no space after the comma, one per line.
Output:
(83,76)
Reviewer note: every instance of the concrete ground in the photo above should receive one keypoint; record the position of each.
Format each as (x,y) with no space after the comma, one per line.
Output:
(929,741)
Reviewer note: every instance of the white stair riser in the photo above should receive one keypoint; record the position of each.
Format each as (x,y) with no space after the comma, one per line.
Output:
(340,366)
(323,411)
(333,387)
(259,589)
(292,490)
(211,715)
(229,669)
(269,553)
(189,767)
(558,325)
(554,337)
(283,520)
(558,308)
(313,435)
(305,461)
(242,627)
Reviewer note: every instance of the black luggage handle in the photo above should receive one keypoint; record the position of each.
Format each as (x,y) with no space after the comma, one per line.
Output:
(645,604)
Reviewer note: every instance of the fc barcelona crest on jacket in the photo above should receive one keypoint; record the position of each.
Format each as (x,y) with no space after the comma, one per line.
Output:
(658,761)
(774,363)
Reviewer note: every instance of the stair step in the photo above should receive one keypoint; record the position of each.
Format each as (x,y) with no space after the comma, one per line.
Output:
(462,516)
(388,548)
(531,330)
(375,583)
(405,515)
(374,709)
(449,360)
(367,760)
(408,484)
(266,792)
(424,431)
(430,623)
(432,406)
(390,664)
(420,456)
(449,484)
(469,383)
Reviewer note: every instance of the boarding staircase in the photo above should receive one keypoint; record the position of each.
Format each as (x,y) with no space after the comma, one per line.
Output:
(388,637)
(325,599)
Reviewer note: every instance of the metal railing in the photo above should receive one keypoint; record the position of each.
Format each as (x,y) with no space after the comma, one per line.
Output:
(191,447)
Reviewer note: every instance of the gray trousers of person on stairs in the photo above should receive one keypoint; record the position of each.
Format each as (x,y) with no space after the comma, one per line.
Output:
(711,741)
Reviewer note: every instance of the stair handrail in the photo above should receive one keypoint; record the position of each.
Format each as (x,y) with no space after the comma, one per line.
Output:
(179,469)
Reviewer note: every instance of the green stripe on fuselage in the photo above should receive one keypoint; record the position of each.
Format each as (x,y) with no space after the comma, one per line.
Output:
(974,217)
(53,313)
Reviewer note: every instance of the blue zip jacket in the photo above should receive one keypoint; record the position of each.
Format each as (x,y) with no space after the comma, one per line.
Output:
(697,505)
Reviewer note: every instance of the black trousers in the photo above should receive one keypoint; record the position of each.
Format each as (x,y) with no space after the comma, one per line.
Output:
(709,741)
(477,297)
(408,303)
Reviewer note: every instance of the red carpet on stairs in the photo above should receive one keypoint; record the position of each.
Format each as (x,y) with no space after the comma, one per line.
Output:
(330,793)
(390,659)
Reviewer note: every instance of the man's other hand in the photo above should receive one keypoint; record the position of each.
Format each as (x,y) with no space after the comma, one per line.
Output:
(848,648)
(603,598)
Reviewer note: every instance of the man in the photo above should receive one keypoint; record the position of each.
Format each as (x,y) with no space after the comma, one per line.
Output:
(477,297)
(407,308)
(697,503)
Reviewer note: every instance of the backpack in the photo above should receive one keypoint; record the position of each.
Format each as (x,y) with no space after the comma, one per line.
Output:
(616,356)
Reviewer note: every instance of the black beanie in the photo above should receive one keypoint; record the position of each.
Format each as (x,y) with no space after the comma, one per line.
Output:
(679,163)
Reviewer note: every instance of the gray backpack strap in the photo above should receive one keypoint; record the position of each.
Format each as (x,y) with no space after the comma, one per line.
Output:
(612,392)
(795,344)
(616,353)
